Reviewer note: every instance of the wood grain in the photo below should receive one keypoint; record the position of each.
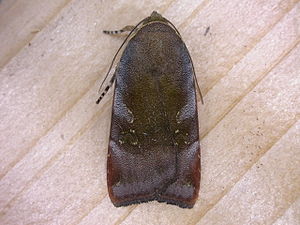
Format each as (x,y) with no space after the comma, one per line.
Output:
(54,137)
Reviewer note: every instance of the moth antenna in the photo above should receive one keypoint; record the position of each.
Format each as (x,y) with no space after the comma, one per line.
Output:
(201,97)
(112,80)
(127,28)
(124,29)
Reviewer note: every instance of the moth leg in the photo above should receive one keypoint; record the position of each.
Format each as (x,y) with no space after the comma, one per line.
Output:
(112,80)
(124,29)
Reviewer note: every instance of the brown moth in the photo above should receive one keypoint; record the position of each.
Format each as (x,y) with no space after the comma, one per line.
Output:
(154,150)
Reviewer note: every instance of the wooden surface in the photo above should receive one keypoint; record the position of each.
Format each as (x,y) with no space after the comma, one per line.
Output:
(54,137)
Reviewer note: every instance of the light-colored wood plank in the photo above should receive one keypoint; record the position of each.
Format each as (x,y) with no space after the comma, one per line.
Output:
(20,21)
(235,28)
(106,213)
(266,190)
(250,70)
(291,216)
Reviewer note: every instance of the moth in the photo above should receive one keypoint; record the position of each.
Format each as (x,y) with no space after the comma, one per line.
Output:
(154,150)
